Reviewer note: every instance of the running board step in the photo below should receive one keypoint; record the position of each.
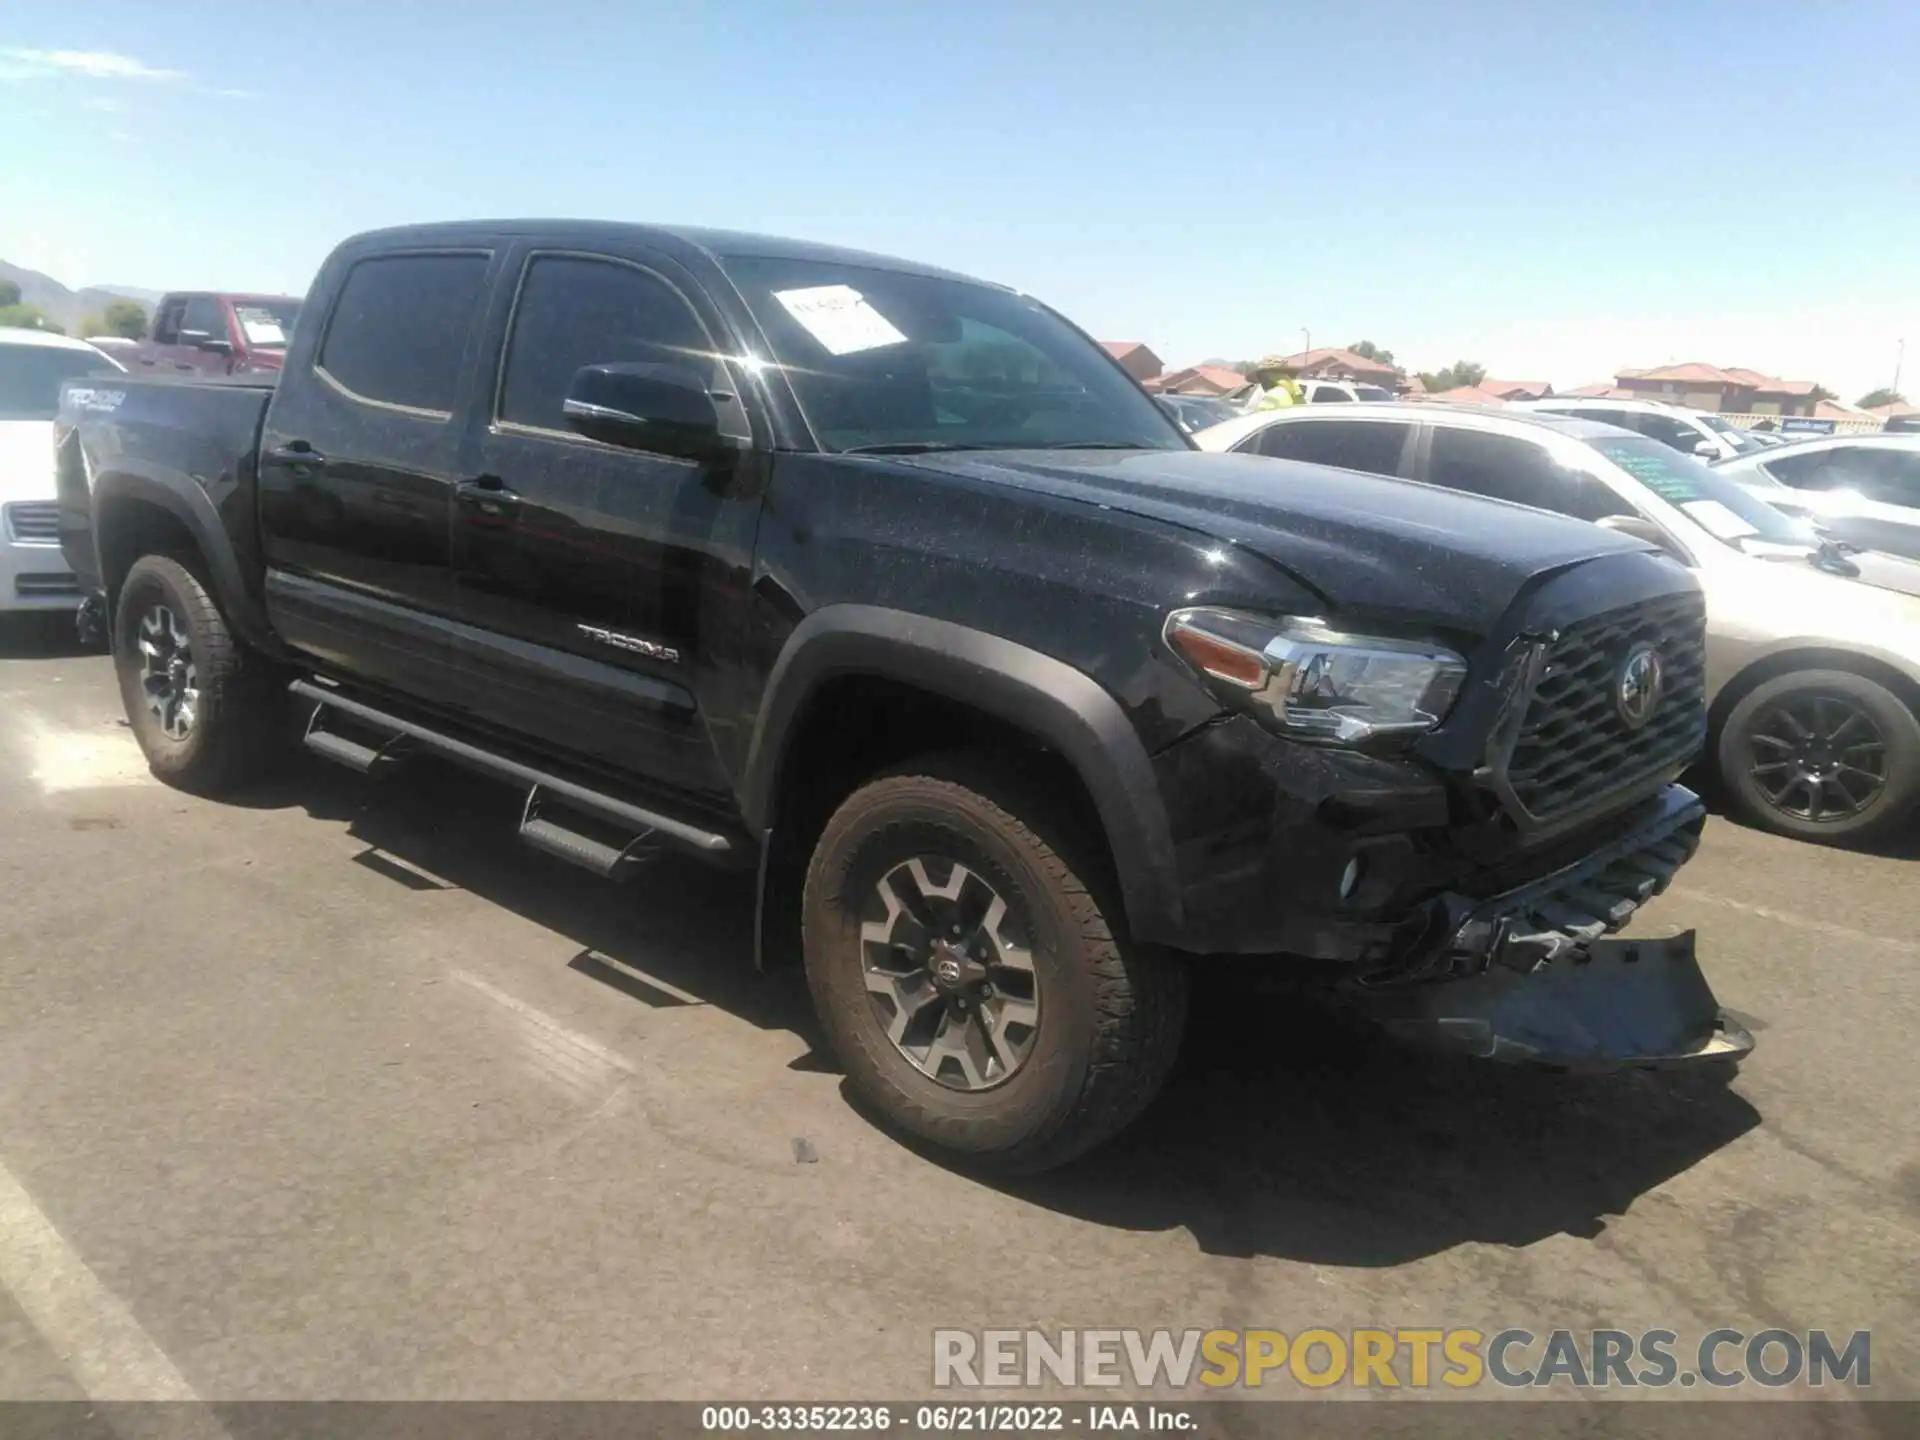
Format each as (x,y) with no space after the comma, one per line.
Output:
(610,861)
(344,750)
(647,826)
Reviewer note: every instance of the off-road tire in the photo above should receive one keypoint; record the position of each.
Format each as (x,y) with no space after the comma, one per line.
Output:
(239,722)
(1112,1012)
(1896,805)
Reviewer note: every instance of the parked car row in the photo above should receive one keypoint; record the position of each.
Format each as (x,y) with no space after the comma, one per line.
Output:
(892,589)
(1813,678)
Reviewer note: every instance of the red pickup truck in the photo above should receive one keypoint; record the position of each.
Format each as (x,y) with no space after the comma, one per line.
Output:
(206,334)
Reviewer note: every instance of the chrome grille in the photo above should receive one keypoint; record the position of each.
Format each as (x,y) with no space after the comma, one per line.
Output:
(1575,747)
(39,520)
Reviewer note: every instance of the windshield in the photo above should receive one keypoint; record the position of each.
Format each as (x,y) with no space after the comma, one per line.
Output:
(267,323)
(881,360)
(30,377)
(1372,392)
(1740,439)
(1716,504)
(1201,411)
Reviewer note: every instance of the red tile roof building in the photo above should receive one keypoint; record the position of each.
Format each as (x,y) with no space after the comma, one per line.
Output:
(1732,390)
(1328,364)
(1135,358)
(1201,380)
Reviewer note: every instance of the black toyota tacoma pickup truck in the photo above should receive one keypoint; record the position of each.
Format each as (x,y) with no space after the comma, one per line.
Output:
(890,586)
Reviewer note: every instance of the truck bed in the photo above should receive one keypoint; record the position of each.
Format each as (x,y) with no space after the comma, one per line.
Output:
(188,445)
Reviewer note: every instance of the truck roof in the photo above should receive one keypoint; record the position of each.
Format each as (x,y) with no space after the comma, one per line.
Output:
(716,244)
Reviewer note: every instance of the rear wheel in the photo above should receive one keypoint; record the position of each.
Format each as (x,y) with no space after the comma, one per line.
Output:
(207,713)
(1822,755)
(980,994)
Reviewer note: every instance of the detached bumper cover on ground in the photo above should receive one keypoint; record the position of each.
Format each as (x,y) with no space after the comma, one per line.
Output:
(1527,976)
(1622,1002)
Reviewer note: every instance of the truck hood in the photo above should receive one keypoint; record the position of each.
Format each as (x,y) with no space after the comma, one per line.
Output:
(26,460)
(1369,545)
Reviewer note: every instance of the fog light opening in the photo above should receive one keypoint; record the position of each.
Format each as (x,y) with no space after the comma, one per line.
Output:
(1350,878)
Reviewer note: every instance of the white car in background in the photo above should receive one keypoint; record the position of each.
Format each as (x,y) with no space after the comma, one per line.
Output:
(1334,392)
(1812,677)
(1863,489)
(33,364)
(1699,433)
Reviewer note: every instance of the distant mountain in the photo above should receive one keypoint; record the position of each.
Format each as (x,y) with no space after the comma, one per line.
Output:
(67,308)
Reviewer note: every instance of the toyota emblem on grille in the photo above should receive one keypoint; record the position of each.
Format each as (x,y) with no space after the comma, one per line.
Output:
(1636,689)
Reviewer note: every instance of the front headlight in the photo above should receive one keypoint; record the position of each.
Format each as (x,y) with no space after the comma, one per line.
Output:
(1309,681)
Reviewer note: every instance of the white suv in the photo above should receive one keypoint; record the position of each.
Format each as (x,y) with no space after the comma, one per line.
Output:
(1322,392)
(1692,432)
(33,572)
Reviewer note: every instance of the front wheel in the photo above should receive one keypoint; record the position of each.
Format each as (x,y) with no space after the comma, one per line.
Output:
(1822,755)
(977,989)
(207,713)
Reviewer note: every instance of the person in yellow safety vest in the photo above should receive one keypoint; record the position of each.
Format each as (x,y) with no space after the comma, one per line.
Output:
(1278,391)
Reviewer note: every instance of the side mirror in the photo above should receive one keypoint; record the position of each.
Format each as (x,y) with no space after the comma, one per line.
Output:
(1641,528)
(662,408)
(1707,450)
(204,340)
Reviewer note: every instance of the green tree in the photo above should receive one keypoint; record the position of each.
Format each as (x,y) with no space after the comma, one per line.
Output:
(26,317)
(125,318)
(9,294)
(1885,395)
(1821,392)
(1460,372)
(1367,350)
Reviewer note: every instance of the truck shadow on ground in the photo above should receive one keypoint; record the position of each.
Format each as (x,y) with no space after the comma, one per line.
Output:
(1288,1132)
(1282,1133)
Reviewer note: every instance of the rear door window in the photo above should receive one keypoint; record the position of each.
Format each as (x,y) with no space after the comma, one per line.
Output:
(399,332)
(166,324)
(1502,467)
(206,316)
(1670,430)
(1373,446)
(1834,467)
(1892,477)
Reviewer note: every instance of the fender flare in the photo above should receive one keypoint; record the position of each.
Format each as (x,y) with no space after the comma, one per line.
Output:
(193,508)
(1064,709)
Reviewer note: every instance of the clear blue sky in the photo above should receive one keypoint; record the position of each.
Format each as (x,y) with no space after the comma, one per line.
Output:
(1555,190)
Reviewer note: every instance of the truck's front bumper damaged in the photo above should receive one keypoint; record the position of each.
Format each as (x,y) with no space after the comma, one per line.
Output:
(1527,975)
(1617,1003)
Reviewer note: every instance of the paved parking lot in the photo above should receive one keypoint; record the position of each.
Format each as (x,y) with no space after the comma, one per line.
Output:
(338,1091)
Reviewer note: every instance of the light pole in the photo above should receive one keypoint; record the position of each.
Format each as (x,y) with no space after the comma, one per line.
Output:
(1899,355)
(1306,344)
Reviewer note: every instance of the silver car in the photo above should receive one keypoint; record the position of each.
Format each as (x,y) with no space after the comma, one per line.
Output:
(1813,677)
(1863,489)
(1701,433)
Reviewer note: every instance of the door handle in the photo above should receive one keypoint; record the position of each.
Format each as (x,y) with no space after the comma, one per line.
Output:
(488,494)
(298,454)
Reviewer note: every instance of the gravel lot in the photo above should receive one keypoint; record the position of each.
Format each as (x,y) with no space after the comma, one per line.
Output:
(338,1091)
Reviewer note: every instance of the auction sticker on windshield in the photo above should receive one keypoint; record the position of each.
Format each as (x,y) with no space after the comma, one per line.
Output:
(1717,519)
(839,317)
(261,328)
